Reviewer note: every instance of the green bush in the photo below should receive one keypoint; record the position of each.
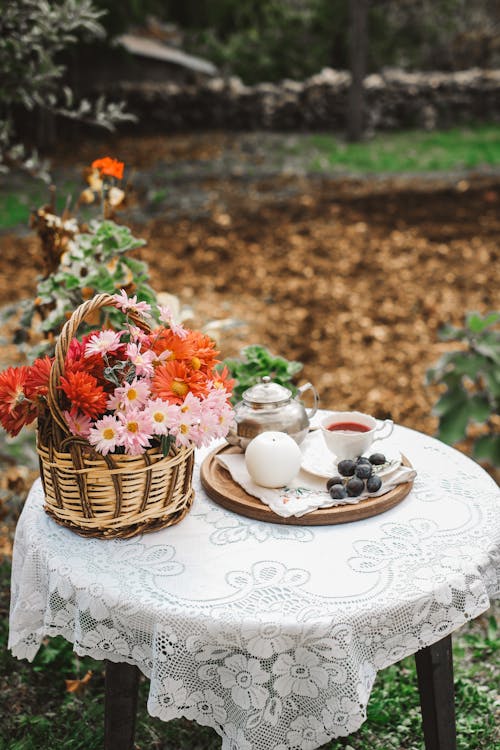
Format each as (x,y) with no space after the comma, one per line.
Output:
(255,362)
(471,376)
(33,38)
(267,40)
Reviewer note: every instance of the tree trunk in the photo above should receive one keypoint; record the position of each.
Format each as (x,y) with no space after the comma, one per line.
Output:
(358,44)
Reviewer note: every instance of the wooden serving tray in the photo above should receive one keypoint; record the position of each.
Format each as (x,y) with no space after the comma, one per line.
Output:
(221,487)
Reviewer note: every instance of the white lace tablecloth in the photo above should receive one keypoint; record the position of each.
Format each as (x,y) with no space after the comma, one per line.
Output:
(270,634)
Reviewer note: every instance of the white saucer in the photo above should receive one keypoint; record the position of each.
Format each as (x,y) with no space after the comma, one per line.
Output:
(319,461)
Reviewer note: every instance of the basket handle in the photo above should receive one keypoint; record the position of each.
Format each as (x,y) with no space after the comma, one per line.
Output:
(68,332)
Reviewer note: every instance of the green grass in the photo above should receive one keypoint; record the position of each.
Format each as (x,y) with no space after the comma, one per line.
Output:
(410,151)
(25,194)
(38,714)
(15,209)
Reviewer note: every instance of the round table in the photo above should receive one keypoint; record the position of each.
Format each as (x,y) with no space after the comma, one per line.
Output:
(270,634)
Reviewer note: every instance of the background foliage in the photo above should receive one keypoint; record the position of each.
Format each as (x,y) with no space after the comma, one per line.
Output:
(471,376)
(273,39)
(33,36)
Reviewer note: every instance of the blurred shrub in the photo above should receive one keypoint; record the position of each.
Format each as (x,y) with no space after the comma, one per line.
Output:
(471,376)
(120,15)
(33,36)
(256,362)
(261,41)
(273,39)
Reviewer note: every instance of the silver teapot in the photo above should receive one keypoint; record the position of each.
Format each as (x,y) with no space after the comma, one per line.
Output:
(270,406)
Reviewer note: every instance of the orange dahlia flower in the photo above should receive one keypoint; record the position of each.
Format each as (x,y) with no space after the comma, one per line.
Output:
(110,167)
(84,393)
(16,410)
(174,380)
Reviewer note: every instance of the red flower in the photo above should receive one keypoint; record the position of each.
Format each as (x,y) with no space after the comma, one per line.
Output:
(16,410)
(110,167)
(37,382)
(174,380)
(76,361)
(84,393)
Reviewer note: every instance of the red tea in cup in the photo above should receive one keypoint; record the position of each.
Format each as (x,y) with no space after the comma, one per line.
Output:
(348,434)
(348,427)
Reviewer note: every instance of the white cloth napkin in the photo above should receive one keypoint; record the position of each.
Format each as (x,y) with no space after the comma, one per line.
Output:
(306,492)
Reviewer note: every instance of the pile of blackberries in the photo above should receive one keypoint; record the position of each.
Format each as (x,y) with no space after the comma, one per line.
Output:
(356,476)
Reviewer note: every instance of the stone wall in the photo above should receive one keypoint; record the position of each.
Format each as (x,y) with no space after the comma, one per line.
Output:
(395,99)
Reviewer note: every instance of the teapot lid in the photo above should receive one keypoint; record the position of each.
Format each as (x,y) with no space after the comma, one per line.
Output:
(266,394)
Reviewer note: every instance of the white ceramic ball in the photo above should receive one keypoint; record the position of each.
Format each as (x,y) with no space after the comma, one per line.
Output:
(273,459)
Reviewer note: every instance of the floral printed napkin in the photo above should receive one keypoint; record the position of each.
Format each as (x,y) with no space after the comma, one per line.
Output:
(306,492)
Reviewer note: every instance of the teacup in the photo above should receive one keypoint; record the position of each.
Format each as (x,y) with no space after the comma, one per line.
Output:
(349,434)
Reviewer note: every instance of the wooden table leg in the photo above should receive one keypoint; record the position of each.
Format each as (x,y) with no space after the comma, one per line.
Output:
(435,685)
(120,707)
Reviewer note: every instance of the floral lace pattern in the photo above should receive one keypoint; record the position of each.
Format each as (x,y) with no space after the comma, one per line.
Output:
(272,635)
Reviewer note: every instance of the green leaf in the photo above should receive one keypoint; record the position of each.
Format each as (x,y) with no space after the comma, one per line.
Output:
(492,380)
(492,628)
(451,333)
(294,367)
(477,323)
(102,281)
(487,448)
(444,366)
(489,348)
(468,363)
(138,267)
(479,408)
(166,443)
(451,400)
(453,424)
(72,282)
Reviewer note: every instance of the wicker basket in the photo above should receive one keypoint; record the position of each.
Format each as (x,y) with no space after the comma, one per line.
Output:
(106,496)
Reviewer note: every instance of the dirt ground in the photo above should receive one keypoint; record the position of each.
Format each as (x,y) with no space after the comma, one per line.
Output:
(351,277)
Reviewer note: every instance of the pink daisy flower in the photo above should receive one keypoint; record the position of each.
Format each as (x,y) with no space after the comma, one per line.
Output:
(142,361)
(216,397)
(130,304)
(162,415)
(103,342)
(206,429)
(185,428)
(105,435)
(137,335)
(162,357)
(191,407)
(166,316)
(225,420)
(78,423)
(129,395)
(136,430)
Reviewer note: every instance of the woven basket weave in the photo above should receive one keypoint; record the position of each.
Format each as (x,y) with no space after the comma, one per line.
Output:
(106,496)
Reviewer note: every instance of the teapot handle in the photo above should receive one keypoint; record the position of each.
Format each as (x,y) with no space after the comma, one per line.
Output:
(309,387)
